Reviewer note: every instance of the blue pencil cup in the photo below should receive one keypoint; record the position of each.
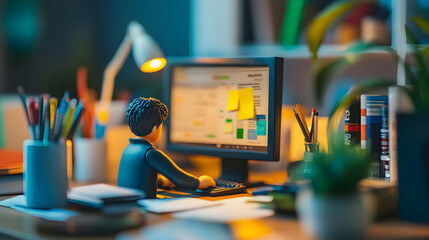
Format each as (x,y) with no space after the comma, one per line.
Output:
(45,174)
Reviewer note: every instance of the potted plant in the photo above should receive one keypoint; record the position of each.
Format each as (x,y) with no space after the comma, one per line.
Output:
(412,128)
(330,206)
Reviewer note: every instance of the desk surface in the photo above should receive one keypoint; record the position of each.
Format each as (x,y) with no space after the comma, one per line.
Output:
(23,226)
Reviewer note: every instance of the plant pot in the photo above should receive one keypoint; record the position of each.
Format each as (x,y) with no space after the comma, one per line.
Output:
(334,217)
(413,167)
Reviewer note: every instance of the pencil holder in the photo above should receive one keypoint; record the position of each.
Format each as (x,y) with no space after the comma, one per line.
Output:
(90,159)
(45,174)
(311,149)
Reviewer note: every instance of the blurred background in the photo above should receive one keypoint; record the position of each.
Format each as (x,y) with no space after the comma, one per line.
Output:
(43,42)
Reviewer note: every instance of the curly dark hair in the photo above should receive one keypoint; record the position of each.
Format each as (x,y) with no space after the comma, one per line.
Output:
(145,113)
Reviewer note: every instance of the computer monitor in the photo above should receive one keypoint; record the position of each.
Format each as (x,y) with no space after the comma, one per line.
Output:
(230,108)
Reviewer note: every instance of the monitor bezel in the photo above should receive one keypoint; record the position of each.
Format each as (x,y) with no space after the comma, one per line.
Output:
(275,66)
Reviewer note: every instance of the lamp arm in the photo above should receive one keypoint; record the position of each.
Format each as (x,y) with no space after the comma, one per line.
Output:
(112,70)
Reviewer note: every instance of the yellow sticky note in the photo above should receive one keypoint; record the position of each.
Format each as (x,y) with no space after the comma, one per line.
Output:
(232,100)
(246,105)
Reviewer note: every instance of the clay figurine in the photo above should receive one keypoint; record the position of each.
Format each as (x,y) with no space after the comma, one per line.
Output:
(141,161)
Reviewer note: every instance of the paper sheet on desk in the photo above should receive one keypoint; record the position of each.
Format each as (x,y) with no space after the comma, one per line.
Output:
(57,214)
(175,204)
(231,210)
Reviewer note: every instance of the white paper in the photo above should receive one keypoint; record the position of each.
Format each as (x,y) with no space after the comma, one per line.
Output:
(178,229)
(175,204)
(56,214)
(100,191)
(234,209)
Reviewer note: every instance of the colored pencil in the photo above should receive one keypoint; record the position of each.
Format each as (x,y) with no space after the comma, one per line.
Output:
(301,125)
(312,125)
(302,117)
(23,98)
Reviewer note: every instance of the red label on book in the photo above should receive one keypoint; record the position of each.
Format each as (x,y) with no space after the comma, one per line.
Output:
(352,128)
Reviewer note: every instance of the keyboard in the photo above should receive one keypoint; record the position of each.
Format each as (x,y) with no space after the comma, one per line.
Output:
(224,187)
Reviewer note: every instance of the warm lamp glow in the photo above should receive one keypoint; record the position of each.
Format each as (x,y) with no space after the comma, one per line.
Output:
(153,65)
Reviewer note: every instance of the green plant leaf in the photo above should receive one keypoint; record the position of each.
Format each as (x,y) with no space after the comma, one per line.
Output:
(325,72)
(318,27)
(422,23)
(421,68)
(425,51)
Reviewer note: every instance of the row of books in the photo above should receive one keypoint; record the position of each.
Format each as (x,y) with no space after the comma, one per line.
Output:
(367,124)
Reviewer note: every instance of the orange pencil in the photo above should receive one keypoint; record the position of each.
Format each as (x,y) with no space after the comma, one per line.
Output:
(82,93)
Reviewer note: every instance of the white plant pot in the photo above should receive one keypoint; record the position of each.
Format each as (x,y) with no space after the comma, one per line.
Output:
(334,217)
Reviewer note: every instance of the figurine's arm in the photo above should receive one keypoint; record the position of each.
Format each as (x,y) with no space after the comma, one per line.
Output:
(164,165)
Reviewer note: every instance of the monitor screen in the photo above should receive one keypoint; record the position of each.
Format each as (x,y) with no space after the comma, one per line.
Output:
(199,107)
(225,107)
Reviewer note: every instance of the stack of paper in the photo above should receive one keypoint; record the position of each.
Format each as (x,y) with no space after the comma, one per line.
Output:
(109,199)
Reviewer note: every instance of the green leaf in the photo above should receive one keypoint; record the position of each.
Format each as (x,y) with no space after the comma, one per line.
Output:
(318,27)
(422,23)
(410,36)
(421,68)
(425,51)
(324,75)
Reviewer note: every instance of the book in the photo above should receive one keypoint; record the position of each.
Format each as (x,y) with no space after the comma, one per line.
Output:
(109,199)
(363,121)
(384,138)
(374,103)
(292,22)
(352,123)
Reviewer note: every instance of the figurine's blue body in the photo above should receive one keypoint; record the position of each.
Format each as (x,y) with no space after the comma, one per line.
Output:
(140,165)
(141,161)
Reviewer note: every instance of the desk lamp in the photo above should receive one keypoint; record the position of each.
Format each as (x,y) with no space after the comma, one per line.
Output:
(148,57)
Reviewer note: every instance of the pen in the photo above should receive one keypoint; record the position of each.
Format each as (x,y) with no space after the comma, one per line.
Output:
(59,119)
(76,118)
(52,107)
(23,98)
(35,114)
(312,125)
(301,125)
(301,115)
(31,116)
(316,126)
(68,117)
(41,115)
(46,119)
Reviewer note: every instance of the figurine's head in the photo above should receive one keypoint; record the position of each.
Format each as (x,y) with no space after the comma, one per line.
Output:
(145,117)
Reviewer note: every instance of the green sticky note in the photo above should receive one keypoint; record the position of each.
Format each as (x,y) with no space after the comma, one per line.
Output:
(261,128)
(239,133)
(211,136)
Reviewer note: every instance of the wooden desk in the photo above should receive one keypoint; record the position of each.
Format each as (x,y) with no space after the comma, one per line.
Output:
(165,226)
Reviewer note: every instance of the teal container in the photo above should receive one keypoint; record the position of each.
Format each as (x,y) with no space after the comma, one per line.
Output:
(45,174)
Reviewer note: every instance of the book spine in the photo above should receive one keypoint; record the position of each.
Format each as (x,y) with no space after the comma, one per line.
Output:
(384,135)
(292,22)
(352,123)
(373,127)
(363,121)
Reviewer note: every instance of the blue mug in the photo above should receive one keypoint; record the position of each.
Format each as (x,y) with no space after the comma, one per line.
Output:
(45,174)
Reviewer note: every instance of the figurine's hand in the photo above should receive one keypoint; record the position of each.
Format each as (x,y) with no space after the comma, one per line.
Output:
(205,182)
(164,182)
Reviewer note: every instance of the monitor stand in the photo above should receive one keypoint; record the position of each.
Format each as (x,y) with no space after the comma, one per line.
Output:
(237,170)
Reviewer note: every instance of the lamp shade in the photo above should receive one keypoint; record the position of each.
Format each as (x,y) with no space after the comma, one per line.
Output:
(147,54)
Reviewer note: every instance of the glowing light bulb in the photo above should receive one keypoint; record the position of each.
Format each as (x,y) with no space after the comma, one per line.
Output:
(153,65)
